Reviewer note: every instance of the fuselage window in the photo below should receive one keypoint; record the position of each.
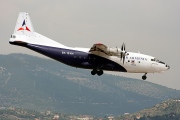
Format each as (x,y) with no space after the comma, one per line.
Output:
(14,36)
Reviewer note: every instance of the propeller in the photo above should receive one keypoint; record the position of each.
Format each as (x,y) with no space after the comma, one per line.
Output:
(123,52)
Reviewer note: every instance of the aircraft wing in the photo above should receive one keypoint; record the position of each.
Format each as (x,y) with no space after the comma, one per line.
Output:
(99,47)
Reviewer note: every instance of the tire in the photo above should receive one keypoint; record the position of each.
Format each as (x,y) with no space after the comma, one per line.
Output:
(100,72)
(144,77)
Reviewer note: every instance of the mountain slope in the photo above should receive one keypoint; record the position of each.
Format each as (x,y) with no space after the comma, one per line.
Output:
(42,84)
(167,110)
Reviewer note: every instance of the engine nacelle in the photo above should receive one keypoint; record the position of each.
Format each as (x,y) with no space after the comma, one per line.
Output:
(114,51)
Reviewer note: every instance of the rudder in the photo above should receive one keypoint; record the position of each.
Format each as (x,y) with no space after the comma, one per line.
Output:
(24,25)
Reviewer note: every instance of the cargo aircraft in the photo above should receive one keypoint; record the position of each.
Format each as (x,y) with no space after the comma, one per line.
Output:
(97,58)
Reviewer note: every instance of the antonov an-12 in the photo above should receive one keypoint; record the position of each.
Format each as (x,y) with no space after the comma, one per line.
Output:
(97,58)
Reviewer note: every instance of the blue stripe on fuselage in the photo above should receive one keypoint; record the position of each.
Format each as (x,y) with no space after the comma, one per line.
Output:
(77,58)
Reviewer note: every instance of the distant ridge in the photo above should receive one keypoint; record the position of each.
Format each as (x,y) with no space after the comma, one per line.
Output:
(167,110)
(35,83)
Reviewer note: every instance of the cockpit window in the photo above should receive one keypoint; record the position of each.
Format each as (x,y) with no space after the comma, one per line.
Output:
(161,62)
(152,59)
(156,60)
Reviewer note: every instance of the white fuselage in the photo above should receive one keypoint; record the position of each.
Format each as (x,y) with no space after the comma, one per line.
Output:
(98,58)
(134,62)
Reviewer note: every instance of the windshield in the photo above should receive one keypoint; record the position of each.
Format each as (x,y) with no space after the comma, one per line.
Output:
(156,60)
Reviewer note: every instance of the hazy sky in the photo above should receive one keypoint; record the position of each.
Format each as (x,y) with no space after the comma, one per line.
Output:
(149,26)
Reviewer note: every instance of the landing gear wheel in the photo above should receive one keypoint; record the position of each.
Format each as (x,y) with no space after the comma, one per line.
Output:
(144,77)
(99,73)
(93,72)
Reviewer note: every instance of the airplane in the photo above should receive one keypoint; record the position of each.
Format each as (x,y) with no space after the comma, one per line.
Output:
(98,58)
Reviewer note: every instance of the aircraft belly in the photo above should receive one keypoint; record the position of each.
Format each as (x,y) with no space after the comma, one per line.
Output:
(77,58)
(108,62)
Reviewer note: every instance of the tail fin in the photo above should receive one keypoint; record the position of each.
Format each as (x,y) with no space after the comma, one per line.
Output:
(24,25)
(24,33)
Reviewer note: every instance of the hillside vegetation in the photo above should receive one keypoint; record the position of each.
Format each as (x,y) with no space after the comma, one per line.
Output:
(167,110)
(41,84)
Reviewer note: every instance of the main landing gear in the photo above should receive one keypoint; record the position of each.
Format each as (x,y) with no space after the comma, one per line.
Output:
(144,76)
(98,72)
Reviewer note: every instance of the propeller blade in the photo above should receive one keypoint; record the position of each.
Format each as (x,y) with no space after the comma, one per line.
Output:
(123,59)
(123,52)
(121,55)
(124,47)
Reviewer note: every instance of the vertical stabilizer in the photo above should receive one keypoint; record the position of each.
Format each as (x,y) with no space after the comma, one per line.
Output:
(24,34)
(24,25)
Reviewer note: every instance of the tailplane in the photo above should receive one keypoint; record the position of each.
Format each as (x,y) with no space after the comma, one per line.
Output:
(24,25)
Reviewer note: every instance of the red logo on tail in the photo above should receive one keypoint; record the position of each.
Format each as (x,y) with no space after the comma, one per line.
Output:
(22,27)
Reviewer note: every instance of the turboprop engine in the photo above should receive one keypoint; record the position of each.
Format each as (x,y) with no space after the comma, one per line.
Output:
(118,52)
(114,51)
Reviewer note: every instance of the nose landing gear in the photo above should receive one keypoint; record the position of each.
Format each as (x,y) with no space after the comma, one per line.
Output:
(144,77)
